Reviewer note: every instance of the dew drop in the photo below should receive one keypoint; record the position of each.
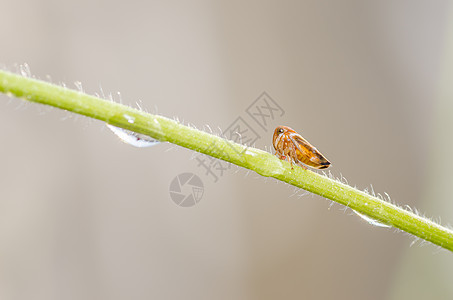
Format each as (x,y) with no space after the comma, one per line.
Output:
(133,138)
(371,221)
(130,119)
(249,152)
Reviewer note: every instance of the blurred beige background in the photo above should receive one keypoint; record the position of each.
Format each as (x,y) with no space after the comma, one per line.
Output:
(84,216)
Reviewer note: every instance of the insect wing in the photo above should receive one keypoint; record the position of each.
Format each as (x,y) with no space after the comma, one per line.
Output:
(302,145)
(307,154)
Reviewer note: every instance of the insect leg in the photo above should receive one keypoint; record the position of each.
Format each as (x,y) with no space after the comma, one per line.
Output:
(294,156)
(279,155)
(289,151)
(302,165)
(299,163)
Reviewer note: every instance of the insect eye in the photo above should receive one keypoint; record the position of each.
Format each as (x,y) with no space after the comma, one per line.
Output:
(280,130)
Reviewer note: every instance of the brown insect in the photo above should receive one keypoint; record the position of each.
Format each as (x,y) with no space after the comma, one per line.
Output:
(291,146)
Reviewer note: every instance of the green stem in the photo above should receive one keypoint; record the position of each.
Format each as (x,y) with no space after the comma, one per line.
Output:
(261,162)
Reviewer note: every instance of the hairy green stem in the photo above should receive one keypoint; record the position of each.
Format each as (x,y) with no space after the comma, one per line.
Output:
(261,162)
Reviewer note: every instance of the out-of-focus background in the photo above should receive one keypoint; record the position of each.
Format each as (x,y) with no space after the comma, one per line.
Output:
(85,216)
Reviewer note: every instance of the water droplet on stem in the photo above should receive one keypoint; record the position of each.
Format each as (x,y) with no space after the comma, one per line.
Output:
(132,138)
